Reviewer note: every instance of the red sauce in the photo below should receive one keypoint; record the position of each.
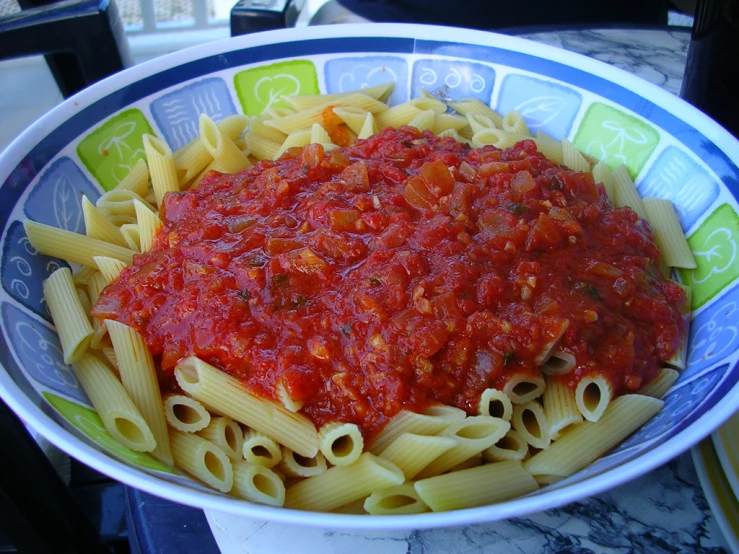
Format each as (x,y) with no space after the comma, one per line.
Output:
(398,272)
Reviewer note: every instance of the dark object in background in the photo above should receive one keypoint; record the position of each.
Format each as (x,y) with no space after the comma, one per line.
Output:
(711,80)
(252,16)
(83,40)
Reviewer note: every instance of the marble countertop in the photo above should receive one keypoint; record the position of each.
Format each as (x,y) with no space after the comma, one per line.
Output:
(663,511)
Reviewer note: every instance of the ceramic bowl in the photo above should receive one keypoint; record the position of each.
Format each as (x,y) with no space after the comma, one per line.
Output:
(89,142)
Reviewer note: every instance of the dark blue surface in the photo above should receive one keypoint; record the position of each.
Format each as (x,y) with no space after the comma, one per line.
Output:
(159,526)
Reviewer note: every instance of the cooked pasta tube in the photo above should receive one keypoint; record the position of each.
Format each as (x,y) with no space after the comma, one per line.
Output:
(263,148)
(318,134)
(84,300)
(530,421)
(72,247)
(137,179)
(602,174)
(70,319)
(110,268)
(230,397)
(354,118)
(139,378)
(193,158)
(661,384)
(472,435)
(467,106)
(304,102)
(149,224)
(132,235)
(97,226)
(411,453)
(431,422)
(341,485)
(225,433)
(477,486)
(560,407)
(515,123)
(162,168)
(95,286)
(670,237)
(258,128)
(185,414)
(522,388)
(423,120)
(257,483)
(340,443)
(294,139)
(511,447)
(572,157)
(559,363)
(550,148)
(479,122)
(588,441)
(82,275)
(496,137)
(226,155)
(304,119)
(593,394)
(119,414)
(446,121)
(120,202)
(397,116)
(294,465)
(202,459)
(495,403)
(369,127)
(259,449)
(398,500)
(625,193)
(109,353)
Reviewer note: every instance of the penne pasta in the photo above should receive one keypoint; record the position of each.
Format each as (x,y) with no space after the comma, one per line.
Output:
(625,193)
(259,449)
(137,180)
(510,447)
(257,483)
(530,421)
(398,500)
(523,388)
(411,453)
(225,433)
(120,416)
(434,420)
(340,443)
(495,403)
(148,224)
(588,441)
(97,226)
(70,319)
(513,122)
(228,396)
(560,407)
(185,414)
(202,459)
(663,383)
(162,167)
(461,489)
(341,485)
(294,465)
(139,378)
(110,269)
(226,155)
(670,237)
(592,395)
(73,247)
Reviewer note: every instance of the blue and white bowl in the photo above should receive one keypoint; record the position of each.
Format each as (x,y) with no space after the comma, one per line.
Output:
(88,143)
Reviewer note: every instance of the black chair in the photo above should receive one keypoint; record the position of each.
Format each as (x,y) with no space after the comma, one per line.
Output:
(83,40)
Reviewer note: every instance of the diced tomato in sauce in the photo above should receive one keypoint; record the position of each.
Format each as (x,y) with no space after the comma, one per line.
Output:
(399,272)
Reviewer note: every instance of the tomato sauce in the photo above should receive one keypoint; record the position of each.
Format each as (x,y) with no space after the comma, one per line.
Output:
(398,272)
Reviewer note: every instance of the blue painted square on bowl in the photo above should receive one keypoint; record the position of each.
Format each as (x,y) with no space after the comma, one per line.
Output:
(40,353)
(56,199)
(459,79)
(676,177)
(545,105)
(23,270)
(177,113)
(358,72)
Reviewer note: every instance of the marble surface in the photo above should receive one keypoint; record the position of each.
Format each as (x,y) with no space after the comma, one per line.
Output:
(663,511)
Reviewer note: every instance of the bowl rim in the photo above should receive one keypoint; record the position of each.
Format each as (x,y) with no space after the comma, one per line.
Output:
(108,464)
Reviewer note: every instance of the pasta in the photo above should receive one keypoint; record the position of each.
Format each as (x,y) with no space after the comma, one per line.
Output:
(535,422)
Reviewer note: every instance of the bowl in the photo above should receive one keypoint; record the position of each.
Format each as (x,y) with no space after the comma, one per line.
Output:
(87,144)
